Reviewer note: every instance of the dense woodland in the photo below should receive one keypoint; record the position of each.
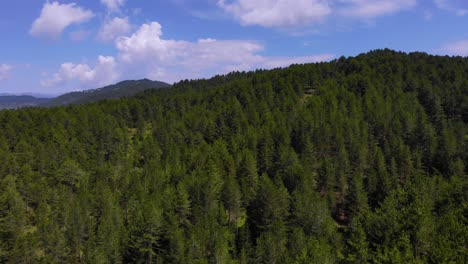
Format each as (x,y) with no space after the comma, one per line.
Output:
(358,160)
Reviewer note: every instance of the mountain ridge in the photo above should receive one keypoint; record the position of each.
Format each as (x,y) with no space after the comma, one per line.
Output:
(121,89)
(114,91)
(18,101)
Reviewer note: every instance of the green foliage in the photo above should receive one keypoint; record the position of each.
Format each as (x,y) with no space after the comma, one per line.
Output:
(359,160)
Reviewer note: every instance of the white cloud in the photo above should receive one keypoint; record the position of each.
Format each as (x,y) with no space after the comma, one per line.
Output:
(459,48)
(105,72)
(113,5)
(177,59)
(459,7)
(284,13)
(55,17)
(5,71)
(147,42)
(114,28)
(273,13)
(147,54)
(372,8)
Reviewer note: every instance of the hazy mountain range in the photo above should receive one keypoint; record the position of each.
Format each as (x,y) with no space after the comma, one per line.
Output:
(121,89)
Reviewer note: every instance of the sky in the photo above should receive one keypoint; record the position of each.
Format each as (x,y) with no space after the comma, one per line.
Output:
(52,47)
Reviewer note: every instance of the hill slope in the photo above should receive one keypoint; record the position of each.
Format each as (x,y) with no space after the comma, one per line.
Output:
(121,89)
(359,160)
(18,101)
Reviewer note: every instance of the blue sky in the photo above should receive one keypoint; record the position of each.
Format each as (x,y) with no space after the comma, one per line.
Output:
(52,47)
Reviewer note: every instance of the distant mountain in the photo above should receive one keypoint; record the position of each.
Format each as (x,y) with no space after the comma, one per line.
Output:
(121,89)
(18,101)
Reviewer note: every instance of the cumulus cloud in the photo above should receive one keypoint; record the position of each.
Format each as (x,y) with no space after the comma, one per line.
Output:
(459,7)
(55,17)
(285,13)
(272,13)
(177,59)
(171,59)
(114,28)
(104,72)
(148,54)
(113,5)
(147,43)
(459,48)
(5,71)
(372,8)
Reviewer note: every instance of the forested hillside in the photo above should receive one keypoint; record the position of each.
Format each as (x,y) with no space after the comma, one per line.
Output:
(115,91)
(359,160)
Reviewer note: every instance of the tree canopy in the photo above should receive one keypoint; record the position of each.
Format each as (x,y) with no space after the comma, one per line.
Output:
(358,160)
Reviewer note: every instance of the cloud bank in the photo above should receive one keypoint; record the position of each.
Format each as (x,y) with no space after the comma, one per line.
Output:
(372,8)
(103,73)
(286,13)
(271,13)
(150,55)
